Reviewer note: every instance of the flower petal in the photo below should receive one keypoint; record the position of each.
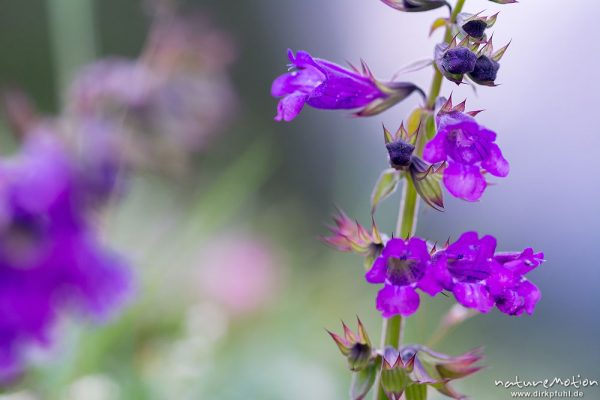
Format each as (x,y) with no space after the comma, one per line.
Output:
(495,163)
(290,106)
(474,295)
(377,273)
(435,149)
(397,300)
(531,295)
(464,181)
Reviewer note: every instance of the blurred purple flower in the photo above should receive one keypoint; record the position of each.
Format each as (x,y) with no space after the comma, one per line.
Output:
(401,266)
(168,103)
(328,86)
(50,259)
(468,148)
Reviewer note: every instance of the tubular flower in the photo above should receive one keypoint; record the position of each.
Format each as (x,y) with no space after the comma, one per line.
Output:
(49,258)
(324,85)
(513,293)
(400,267)
(482,279)
(468,148)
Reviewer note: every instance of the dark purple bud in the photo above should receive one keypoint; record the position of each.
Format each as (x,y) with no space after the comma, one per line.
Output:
(485,70)
(475,28)
(459,60)
(400,153)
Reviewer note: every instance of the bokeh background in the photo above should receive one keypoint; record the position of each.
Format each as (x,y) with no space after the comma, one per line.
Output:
(233,288)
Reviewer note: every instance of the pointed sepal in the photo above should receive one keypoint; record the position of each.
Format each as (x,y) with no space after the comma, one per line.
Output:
(355,347)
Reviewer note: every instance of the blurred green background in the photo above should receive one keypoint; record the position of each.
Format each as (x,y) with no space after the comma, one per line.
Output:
(265,190)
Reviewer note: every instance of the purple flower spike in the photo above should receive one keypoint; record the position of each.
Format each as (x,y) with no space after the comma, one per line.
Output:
(468,148)
(50,259)
(324,85)
(401,266)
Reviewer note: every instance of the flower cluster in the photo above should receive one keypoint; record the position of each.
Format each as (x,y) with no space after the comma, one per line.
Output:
(469,268)
(50,257)
(122,114)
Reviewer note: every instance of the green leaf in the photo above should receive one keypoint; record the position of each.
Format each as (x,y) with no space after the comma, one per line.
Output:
(414,120)
(385,186)
(362,382)
(416,392)
(430,128)
(438,23)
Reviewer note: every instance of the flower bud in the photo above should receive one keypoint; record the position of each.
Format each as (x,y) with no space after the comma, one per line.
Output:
(356,348)
(395,372)
(485,70)
(458,60)
(475,25)
(400,153)
(475,28)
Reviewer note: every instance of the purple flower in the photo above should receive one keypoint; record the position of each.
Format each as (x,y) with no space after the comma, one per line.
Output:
(469,263)
(324,85)
(467,147)
(469,268)
(400,267)
(513,293)
(479,278)
(50,260)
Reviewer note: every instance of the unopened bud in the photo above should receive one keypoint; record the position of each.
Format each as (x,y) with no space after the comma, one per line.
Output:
(485,70)
(475,28)
(356,348)
(459,60)
(400,153)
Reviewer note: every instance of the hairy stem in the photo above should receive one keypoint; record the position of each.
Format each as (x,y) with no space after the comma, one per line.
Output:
(393,328)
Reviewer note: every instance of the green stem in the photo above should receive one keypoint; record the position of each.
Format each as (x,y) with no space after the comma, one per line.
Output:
(72,37)
(393,328)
